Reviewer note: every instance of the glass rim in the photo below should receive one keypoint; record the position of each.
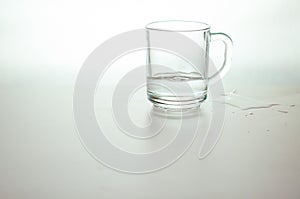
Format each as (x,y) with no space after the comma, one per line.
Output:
(204,27)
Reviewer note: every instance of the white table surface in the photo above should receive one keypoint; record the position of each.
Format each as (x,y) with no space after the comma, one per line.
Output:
(42,157)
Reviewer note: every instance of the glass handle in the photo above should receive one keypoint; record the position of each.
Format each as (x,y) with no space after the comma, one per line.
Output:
(227,56)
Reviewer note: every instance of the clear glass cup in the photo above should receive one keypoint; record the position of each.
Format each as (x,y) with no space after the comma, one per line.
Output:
(167,71)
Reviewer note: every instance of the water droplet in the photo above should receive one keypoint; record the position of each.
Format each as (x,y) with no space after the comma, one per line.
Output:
(250,113)
(233,91)
(282,111)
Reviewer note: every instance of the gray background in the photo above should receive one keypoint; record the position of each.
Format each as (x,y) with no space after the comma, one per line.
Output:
(42,47)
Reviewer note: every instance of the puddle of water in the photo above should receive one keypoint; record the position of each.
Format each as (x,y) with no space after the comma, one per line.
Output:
(247,106)
(246,103)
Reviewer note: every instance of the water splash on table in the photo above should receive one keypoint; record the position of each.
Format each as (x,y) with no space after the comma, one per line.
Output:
(247,103)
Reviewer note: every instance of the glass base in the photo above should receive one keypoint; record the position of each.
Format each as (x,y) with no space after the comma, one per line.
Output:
(175,103)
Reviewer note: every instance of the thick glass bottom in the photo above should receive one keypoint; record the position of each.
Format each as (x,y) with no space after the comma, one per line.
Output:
(172,103)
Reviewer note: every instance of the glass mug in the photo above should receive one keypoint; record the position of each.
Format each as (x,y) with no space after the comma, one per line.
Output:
(167,71)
